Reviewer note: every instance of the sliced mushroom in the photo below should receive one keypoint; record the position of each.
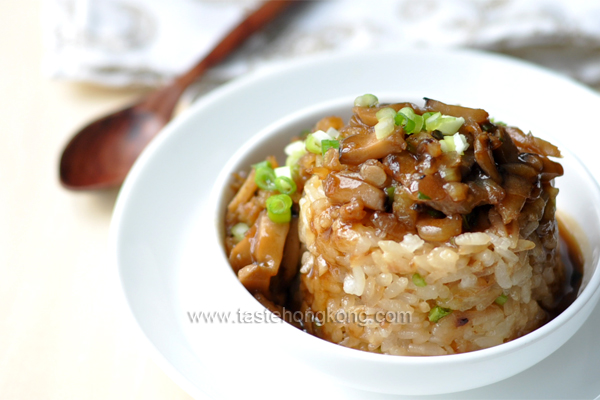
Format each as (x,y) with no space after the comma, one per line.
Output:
(528,143)
(341,189)
(268,242)
(476,115)
(329,122)
(359,148)
(508,151)
(244,194)
(372,172)
(266,248)
(291,255)
(551,170)
(484,156)
(241,254)
(439,229)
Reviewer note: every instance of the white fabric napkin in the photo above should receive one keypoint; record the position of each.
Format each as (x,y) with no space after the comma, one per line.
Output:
(125,42)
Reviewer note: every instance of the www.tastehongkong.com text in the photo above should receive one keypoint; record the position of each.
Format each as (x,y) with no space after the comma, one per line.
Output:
(239,316)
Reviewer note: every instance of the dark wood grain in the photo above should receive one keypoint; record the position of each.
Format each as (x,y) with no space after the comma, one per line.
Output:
(101,154)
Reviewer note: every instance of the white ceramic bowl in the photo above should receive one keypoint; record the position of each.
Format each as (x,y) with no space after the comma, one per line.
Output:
(578,199)
(170,262)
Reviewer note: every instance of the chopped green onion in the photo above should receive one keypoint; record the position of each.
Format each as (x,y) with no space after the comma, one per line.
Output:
(437,313)
(497,122)
(500,300)
(431,121)
(419,122)
(457,142)
(312,144)
(399,119)
(279,208)
(329,144)
(418,280)
(384,128)
(446,124)
(295,147)
(408,112)
(447,144)
(294,151)
(450,125)
(408,115)
(385,113)
(265,178)
(283,171)
(313,141)
(239,231)
(390,193)
(409,126)
(334,133)
(262,164)
(411,122)
(366,100)
(285,185)
(423,196)
(427,115)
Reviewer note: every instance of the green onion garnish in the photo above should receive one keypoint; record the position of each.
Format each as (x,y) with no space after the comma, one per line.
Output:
(500,300)
(384,128)
(418,280)
(294,151)
(239,231)
(437,313)
(427,115)
(283,171)
(408,112)
(446,124)
(423,196)
(409,126)
(366,100)
(312,144)
(279,208)
(386,112)
(285,185)
(265,178)
(329,144)
(399,119)
(411,122)
(295,147)
(457,142)
(419,122)
(431,120)
(262,164)
(390,193)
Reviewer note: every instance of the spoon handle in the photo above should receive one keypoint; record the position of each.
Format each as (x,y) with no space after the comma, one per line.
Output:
(249,25)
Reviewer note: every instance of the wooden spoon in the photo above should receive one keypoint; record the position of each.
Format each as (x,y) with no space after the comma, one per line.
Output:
(101,154)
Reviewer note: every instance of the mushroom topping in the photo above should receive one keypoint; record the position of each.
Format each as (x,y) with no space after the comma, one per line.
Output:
(342,189)
(359,148)
(476,115)
(266,247)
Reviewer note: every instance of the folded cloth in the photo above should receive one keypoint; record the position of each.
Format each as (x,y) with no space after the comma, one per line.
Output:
(125,42)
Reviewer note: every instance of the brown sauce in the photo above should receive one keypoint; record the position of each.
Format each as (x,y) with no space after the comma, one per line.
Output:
(572,258)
